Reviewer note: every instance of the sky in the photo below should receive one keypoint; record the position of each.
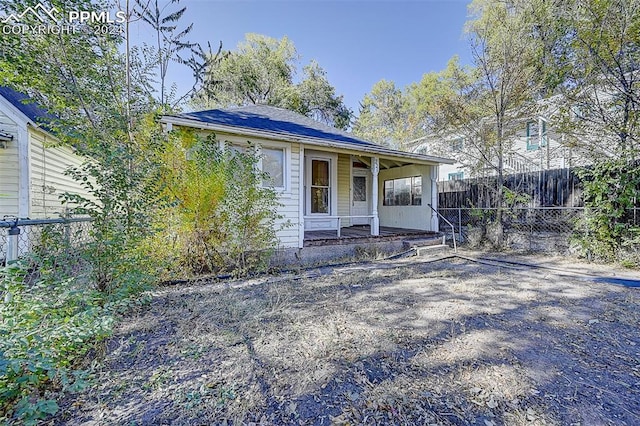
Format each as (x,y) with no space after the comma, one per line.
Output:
(357,42)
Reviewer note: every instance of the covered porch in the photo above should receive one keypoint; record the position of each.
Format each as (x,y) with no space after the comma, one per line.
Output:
(350,196)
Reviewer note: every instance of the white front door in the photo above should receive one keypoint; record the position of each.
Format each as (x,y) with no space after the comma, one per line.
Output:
(360,196)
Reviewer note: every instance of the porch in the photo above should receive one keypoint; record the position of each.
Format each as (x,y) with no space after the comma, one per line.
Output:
(350,197)
(360,234)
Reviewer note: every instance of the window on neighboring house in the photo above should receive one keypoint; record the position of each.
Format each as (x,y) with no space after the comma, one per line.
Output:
(532,135)
(457,145)
(403,191)
(456,176)
(536,134)
(273,165)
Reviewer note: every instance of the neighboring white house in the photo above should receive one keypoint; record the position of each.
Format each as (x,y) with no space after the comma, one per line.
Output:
(534,147)
(327,179)
(31,169)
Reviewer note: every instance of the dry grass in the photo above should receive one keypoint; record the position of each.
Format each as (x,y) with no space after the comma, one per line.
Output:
(404,343)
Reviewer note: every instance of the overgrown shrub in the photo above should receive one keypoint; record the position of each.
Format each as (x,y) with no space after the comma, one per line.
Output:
(607,231)
(223,219)
(48,323)
(122,196)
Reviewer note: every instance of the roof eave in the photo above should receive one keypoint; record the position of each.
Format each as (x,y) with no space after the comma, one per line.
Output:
(421,158)
(24,118)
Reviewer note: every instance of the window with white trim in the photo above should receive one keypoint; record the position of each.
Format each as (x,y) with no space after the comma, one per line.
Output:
(272,161)
(403,191)
(273,165)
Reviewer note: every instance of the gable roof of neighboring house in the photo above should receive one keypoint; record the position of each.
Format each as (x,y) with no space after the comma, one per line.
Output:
(278,123)
(26,106)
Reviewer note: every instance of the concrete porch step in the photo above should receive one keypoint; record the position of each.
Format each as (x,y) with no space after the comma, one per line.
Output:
(422,242)
(433,250)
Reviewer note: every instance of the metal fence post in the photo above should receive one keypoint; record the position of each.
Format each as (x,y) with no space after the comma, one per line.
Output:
(459,224)
(12,242)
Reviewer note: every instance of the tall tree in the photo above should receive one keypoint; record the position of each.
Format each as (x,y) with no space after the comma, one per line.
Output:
(261,71)
(381,117)
(397,118)
(600,113)
(603,83)
(317,98)
(170,41)
(457,115)
(501,96)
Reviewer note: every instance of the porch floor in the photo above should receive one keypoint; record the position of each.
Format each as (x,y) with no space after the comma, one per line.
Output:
(362,234)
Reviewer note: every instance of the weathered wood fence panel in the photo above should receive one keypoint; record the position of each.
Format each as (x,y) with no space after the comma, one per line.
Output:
(547,188)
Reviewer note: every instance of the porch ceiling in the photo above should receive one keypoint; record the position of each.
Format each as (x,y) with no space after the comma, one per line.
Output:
(385,163)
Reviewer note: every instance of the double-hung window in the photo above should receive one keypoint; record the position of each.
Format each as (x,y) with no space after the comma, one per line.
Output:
(272,161)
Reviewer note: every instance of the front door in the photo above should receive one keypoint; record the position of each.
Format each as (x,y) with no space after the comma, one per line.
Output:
(360,196)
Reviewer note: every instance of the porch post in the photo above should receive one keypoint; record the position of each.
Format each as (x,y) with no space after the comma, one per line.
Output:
(375,222)
(434,198)
(301,198)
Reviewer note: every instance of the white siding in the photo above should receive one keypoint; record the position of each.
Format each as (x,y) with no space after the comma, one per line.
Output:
(289,198)
(550,156)
(48,180)
(447,169)
(344,187)
(413,217)
(9,169)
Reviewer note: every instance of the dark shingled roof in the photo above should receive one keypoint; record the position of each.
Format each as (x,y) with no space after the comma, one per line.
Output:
(274,119)
(26,106)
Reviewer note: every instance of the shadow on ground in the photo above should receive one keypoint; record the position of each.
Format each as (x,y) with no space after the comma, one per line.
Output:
(451,342)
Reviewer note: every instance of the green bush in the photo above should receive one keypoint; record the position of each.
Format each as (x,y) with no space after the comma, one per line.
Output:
(47,325)
(606,231)
(222,218)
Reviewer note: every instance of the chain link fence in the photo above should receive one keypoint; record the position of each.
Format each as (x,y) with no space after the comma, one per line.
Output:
(546,229)
(19,237)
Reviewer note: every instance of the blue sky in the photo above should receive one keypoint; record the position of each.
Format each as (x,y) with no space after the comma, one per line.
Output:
(358,42)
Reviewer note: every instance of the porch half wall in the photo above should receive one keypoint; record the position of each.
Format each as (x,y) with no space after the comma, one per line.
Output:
(412,217)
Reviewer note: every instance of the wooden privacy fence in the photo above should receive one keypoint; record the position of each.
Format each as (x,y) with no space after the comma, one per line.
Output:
(547,188)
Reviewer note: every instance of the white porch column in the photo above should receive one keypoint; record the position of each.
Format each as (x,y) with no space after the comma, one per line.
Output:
(375,222)
(301,198)
(434,197)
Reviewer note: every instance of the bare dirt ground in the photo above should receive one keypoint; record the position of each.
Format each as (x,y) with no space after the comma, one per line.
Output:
(408,342)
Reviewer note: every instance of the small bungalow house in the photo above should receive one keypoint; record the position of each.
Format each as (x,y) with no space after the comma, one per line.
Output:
(31,170)
(327,179)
